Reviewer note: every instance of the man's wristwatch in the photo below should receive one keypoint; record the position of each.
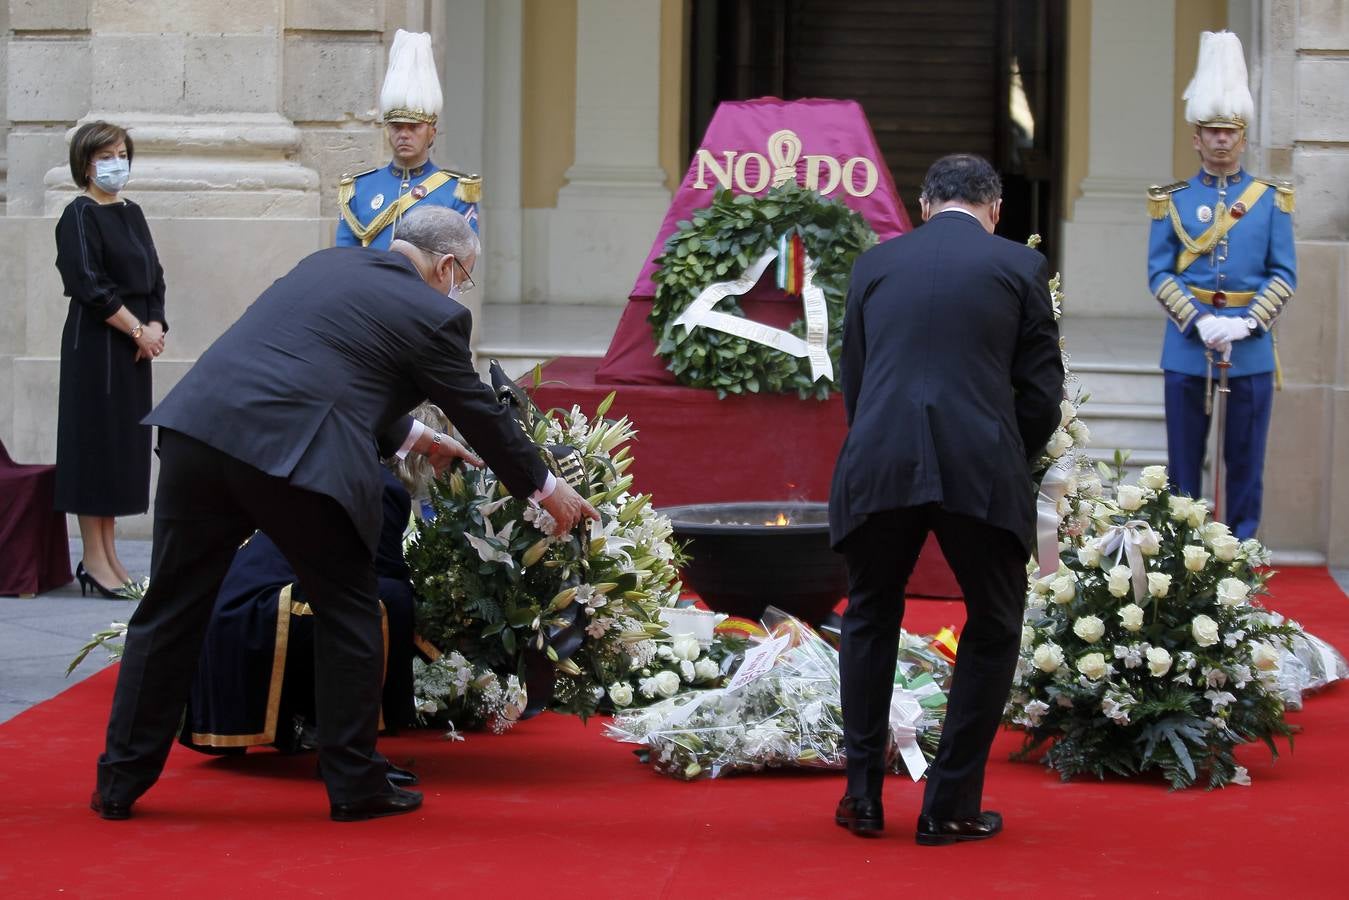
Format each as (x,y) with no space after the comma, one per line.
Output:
(136,331)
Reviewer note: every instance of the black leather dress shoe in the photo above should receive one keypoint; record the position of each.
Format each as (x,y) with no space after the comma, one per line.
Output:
(935,832)
(861,816)
(109,809)
(378,806)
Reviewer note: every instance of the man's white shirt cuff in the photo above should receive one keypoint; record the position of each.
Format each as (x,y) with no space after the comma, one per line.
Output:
(546,491)
(414,435)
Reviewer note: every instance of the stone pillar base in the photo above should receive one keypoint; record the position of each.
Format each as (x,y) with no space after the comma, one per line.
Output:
(198,166)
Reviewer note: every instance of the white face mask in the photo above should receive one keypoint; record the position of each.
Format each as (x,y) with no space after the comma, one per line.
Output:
(111,174)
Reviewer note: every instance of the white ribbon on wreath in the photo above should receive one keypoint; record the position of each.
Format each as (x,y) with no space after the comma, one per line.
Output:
(1053,488)
(815,346)
(1127,541)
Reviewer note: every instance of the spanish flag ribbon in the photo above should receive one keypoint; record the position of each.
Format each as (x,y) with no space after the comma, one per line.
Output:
(944,643)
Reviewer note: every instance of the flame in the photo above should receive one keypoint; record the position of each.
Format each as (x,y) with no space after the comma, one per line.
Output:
(780,520)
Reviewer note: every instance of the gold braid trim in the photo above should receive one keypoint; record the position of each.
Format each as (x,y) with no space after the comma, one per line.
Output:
(1222,224)
(1159,198)
(1285,198)
(469,188)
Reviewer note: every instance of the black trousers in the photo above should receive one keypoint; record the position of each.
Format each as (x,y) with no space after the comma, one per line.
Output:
(206,504)
(990,565)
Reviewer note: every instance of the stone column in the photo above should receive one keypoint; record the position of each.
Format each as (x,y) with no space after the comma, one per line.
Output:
(1131,138)
(199,87)
(1302,134)
(611,207)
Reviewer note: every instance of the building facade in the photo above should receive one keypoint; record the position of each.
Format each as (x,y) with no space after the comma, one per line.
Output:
(580,115)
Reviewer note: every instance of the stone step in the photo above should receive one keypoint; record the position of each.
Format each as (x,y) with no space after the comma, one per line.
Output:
(1132,426)
(1119,382)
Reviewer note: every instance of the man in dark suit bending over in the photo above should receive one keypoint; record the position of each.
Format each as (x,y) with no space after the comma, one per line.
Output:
(275,428)
(951,380)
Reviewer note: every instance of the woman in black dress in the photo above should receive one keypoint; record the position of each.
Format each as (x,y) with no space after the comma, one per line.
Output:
(115,326)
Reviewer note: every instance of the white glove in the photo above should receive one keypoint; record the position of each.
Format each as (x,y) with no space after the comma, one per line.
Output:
(1236,329)
(1212,331)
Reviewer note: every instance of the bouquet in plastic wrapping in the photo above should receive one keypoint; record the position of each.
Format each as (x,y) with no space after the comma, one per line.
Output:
(1307,664)
(782,708)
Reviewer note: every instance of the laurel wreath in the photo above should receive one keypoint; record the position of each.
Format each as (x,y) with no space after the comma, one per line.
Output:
(720,242)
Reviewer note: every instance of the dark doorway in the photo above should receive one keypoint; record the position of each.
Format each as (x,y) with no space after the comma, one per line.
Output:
(976,76)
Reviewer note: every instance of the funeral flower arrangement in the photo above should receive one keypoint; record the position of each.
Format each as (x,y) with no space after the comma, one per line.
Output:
(783,709)
(1145,650)
(728,244)
(453,692)
(576,616)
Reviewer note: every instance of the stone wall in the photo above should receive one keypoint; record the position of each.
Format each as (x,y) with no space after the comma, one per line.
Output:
(1302,68)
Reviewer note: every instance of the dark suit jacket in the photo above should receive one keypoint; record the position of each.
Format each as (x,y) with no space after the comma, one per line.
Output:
(952,377)
(328,361)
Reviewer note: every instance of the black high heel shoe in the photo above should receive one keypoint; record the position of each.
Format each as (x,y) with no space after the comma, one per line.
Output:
(87,582)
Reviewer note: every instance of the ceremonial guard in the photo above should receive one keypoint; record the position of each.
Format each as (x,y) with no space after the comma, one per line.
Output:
(1222,264)
(372,201)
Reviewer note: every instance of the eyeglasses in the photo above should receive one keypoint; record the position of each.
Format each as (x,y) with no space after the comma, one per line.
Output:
(467,284)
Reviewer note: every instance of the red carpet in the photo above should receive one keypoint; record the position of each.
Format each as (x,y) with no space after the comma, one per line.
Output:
(553,809)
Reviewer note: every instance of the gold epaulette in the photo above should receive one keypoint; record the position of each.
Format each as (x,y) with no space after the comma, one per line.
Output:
(1283,197)
(469,187)
(1159,197)
(348,178)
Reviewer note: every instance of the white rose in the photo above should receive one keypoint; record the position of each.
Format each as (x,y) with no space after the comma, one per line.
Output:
(1196,557)
(1159,584)
(1232,592)
(1159,662)
(666,683)
(1027,637)
(1205,631)
(1067,412)
(1131,617)
(1215,530)
(621,694)
(1041,585)
(1130,497)
(1225,547)
(1079,432)
(1064,588)
(1058,444)
(686,670)
(1088,556)
(686,647)
(1092,665)
(1198,513)
(1264,656)
(706,670)
(1149,543)
(1048,657)
(1118,581)
(1153,477)
(1089,629)
(1179,507)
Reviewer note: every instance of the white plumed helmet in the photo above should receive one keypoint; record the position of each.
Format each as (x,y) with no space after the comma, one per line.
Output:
(1219,95)
(411,90)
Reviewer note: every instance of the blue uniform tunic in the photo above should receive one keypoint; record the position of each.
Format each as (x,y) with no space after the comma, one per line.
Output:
(374,194)
(1253,264)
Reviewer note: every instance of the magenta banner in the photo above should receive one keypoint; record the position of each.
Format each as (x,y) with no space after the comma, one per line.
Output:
(828,143)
